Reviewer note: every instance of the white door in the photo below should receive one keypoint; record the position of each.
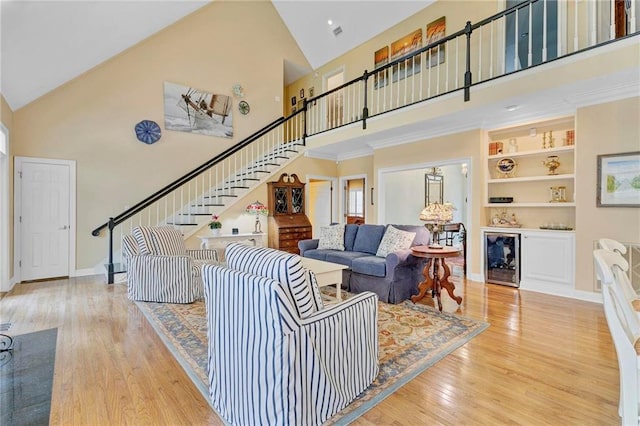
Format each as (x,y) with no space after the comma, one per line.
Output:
(335,100)
(320,206)
(44,220)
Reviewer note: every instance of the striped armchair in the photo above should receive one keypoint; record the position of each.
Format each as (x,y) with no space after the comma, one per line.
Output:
(160,268)
(276,355)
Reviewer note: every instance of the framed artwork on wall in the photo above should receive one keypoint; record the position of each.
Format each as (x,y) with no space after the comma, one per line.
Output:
(402,47)
(618,180)
(187,109)
(380,58)
(435,31)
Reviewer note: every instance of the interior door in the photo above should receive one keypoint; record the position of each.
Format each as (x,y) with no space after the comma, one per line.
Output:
(354,193)
(320,208)
(44,220)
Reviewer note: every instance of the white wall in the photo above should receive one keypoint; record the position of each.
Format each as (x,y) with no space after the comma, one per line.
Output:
(405,193)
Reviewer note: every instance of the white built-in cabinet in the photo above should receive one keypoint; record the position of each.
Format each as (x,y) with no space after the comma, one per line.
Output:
(547,258)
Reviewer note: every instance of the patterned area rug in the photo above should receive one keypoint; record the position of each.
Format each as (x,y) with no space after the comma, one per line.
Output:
(412,338)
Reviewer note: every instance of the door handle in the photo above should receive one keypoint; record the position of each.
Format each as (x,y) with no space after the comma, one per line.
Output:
(63,228)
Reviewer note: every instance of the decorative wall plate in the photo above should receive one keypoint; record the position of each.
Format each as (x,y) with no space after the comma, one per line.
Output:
(243,107)
(506,167)
(148,131)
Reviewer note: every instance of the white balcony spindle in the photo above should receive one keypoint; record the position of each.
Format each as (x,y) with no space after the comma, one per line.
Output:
(515,54)
(480,55)
(544,30)
(612,21)
(491,49)
(530,38)
(576,12)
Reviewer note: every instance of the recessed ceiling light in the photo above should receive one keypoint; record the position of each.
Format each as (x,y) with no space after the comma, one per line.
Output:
(511,107)
(330,22)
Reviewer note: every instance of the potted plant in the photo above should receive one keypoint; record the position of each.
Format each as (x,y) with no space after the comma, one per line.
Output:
(215,225)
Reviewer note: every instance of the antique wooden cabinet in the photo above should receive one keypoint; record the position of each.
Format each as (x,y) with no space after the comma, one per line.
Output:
(288,222)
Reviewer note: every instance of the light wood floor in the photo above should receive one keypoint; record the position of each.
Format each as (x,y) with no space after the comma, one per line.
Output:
(543,360)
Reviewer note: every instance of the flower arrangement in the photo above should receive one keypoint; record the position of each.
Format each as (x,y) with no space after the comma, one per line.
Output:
(215,222)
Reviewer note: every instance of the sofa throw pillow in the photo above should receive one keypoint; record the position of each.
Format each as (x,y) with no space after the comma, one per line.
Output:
(331,237)
(144,239)
(393,240)
(167,241)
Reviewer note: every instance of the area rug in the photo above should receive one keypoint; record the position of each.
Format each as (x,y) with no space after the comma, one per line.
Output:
(412,338)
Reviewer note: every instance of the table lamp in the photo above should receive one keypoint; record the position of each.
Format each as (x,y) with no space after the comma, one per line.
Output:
(257,208)
(436,215)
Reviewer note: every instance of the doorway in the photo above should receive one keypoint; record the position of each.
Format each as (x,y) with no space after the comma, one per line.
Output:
(44,218)
(5,284)
(352,197)
(335,100)
(321,202)
(406,190)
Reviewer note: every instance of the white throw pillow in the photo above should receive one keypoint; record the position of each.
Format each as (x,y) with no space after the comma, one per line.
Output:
(332,237)
(394,239)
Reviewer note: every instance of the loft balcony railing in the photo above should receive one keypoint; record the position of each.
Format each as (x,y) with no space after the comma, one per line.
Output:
(527,34)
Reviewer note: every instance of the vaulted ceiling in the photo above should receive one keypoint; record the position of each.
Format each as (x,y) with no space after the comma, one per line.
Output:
(47,43)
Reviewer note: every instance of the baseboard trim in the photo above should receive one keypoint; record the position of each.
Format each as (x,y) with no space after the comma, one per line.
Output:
(85,272)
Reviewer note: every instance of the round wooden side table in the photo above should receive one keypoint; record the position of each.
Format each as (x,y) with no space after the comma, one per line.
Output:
(432,280)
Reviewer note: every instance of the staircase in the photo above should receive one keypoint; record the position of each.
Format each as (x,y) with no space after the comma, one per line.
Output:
(189,202)
(216,199)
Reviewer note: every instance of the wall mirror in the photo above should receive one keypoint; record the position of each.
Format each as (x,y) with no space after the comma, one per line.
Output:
(433,187)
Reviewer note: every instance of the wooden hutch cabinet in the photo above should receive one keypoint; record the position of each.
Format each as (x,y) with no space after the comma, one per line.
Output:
(288,222)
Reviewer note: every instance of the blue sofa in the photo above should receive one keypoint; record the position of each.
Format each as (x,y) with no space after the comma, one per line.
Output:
(393,278)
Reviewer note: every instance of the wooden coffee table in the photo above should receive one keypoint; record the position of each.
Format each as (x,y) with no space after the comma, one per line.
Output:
(327,273)
(432,280)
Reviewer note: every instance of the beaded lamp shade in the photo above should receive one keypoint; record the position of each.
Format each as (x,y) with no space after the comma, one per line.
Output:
(436,215)
(257,208)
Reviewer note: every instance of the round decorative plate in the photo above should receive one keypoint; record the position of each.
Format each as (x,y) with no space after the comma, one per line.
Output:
(148,131)
(506,166)
(244,108)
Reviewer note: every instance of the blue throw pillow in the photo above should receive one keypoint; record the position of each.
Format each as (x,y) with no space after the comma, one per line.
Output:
(368,238)
(350,231)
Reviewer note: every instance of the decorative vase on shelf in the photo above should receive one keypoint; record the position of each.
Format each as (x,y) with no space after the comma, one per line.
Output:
(215,232)
(552,164)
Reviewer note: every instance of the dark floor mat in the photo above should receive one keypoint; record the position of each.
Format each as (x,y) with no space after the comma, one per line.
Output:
(26,378)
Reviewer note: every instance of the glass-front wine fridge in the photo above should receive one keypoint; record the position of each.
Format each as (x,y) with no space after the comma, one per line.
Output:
(502,258)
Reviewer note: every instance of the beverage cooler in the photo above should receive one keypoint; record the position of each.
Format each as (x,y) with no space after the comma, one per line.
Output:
(502,258)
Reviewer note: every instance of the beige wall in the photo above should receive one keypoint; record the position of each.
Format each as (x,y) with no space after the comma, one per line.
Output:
(602,129)
(6,117)
(91,119)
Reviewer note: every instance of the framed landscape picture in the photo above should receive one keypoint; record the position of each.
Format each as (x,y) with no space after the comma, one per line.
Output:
(402,47)
(435,31)
(380,58)
(618,180)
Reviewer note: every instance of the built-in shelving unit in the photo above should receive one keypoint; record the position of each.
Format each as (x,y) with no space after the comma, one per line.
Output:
(531,184)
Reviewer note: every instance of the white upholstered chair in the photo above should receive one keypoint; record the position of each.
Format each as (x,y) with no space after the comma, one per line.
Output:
(276,355)
(629,292)
(624,326)
(160,268)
